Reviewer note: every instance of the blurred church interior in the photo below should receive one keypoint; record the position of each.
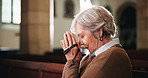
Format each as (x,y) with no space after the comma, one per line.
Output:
(31,30)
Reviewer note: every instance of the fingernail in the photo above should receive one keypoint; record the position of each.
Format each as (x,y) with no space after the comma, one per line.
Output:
(64,34)
(67,32)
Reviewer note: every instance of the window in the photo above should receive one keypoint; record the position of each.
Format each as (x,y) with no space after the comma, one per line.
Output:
(11,11)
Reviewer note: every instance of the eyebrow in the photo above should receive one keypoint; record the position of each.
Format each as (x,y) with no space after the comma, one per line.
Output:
(78,34)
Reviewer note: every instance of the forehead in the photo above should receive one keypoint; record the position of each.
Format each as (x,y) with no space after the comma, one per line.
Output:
(79,29)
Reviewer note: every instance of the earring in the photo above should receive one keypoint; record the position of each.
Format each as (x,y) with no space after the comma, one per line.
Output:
(100,38)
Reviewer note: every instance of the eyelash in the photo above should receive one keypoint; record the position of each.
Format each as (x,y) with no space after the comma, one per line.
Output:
(81,37)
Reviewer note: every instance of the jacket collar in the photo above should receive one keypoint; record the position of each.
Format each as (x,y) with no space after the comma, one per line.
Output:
(106,46)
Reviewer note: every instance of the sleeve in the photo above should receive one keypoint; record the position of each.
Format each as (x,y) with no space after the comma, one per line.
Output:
(71,69)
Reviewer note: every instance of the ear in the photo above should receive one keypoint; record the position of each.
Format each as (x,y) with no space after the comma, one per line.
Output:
(100,32)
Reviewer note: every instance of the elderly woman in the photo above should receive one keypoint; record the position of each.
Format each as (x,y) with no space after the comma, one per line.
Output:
(95,28)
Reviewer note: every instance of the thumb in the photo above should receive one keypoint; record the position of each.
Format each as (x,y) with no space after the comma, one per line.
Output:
(79,45)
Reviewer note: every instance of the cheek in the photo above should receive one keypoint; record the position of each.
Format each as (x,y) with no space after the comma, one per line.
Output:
(88,40)
(91,41)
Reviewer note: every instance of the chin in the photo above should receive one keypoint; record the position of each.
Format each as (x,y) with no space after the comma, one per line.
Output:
(90,51)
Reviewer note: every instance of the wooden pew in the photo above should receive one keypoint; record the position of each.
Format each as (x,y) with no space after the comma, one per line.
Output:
(139,60)
(50,57)
(140,68)
(139,74)
(140,65)
(138,54)
(29,69)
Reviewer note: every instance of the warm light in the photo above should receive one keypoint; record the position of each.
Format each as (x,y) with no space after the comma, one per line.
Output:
(11,11)
(16,11)
(85,4)
(6,11)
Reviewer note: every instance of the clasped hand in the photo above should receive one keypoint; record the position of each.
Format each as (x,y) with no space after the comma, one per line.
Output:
(68,41)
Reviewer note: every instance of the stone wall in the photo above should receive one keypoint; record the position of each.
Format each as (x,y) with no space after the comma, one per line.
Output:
(142,22)
(34,33)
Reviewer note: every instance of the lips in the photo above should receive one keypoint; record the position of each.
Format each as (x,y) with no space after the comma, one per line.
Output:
(86,46)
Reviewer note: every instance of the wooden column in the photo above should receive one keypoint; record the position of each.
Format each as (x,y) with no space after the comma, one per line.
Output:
(35,37)
(142,20)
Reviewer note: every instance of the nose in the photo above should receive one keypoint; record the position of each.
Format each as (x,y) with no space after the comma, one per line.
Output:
(80,42)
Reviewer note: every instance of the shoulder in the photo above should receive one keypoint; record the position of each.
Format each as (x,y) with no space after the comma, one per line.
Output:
(117,56)
(115,50)
(114,57)
(115,53)
(114,63)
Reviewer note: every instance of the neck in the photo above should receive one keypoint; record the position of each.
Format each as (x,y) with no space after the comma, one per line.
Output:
(104,41)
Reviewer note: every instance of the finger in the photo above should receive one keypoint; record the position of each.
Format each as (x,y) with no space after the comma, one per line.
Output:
(73,38)
(69,38)
(78,44)
(63,44)
(65,40)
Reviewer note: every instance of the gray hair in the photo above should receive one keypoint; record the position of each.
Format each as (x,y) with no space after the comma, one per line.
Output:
(94,18)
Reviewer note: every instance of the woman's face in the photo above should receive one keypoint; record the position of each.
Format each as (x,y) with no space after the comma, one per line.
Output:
(86,38)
